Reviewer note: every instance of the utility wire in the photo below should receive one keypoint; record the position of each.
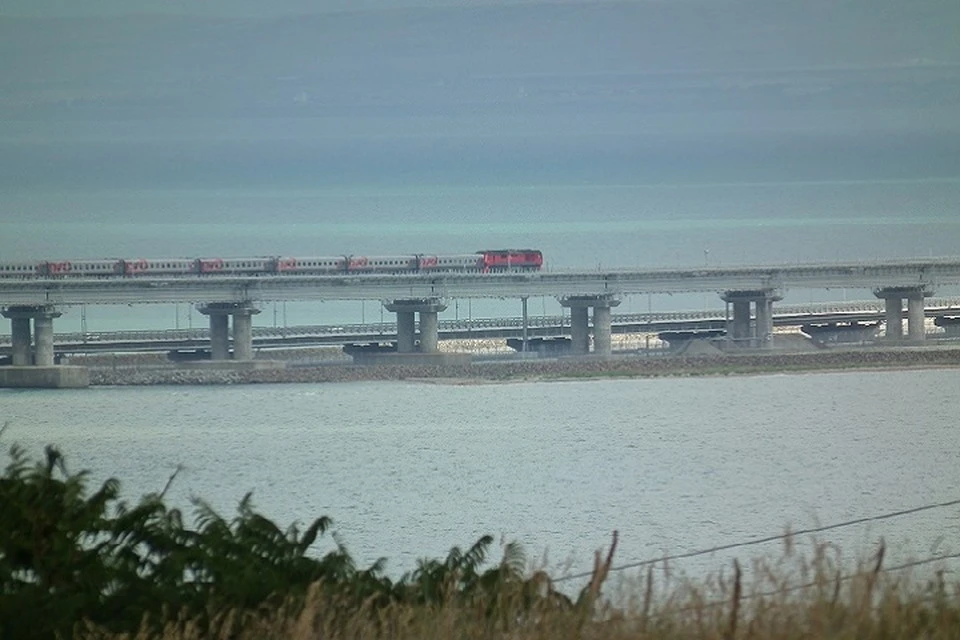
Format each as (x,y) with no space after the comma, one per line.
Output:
(809,585)
(782,536)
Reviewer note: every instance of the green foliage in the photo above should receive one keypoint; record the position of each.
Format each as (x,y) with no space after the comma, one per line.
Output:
(75,563)
(69,557)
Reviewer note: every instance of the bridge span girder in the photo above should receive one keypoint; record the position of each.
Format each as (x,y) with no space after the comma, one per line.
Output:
(930,273)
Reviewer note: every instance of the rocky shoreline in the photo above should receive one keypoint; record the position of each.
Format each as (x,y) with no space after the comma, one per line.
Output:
(270,372)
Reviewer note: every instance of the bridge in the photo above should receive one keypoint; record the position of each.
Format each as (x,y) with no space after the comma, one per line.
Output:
(749,293)
(825,315)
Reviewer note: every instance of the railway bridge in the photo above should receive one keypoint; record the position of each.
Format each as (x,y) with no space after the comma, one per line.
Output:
(33,302)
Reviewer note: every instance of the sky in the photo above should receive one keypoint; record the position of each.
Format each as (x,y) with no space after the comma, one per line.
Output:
(47,8)
(474,94)
(471,115)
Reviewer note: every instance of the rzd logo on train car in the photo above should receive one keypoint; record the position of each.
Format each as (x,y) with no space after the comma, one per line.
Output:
(286,264)
(133,267)
(211,265)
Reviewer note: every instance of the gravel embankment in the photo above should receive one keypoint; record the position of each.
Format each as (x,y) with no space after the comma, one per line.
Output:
(628,366)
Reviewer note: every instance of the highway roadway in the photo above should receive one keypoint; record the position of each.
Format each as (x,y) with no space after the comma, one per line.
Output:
(509,327)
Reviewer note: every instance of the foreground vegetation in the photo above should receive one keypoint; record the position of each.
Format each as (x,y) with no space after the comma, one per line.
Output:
(75,563)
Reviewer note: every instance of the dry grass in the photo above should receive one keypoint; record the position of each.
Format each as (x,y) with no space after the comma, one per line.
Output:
(788,598)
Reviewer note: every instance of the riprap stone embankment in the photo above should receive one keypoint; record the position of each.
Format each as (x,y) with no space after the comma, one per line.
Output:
(631,366)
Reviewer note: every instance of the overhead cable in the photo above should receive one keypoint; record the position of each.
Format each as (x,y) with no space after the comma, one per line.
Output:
(756,541)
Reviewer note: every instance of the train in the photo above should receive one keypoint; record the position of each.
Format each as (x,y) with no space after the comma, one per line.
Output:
(487,261)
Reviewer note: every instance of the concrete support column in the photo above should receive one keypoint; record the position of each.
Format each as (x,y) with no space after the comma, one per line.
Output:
(43,337)
(406,332)
(220,313)
(219,336)
(741,321)
(580,325)
(428,308)
(602,330)
(761,335)
(243,335)
(764,321)
(42,353)
(20,337)
(429,332)
(893,318)
(916,330)
(579,331)
(893,311)
(525,320)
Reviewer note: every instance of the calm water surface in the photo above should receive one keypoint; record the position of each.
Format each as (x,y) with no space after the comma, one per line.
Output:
(410,469)
(577,226)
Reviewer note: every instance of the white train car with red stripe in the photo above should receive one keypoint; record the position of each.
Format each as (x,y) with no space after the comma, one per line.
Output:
(481,261)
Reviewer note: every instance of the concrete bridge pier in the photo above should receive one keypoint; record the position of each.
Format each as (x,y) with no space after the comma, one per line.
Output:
(916,331)
(603,326)
(740,327)
(764,323)
(41,354)
(406,331)
(893,312)
(580,327)
(219,335)
(220,313)
(243,333)
(21,338)
(427,308)
(579,331)
(33,364)
(893,318)
(759,332)
(429,332)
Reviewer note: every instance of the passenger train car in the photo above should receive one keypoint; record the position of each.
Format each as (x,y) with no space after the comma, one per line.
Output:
(490,261)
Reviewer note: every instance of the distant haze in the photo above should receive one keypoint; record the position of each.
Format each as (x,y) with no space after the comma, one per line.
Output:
(47,8)
(234,99)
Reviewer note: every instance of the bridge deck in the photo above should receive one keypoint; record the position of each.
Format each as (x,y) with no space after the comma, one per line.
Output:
(918,273)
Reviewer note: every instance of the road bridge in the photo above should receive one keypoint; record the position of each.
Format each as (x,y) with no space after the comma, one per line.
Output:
(749,291)
(266,337)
